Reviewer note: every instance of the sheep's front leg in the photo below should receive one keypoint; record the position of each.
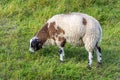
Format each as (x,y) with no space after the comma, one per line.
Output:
(61,51)
(61,42)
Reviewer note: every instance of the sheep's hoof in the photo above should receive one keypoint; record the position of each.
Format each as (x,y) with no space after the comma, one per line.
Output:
(89,67)
(61,61)
(99,65)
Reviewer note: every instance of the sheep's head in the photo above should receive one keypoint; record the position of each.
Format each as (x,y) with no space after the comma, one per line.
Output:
(35,44)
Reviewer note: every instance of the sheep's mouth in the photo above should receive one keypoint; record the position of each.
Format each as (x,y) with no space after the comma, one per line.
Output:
(31,50)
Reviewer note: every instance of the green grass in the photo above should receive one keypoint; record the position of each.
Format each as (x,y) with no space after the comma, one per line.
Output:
(21,19)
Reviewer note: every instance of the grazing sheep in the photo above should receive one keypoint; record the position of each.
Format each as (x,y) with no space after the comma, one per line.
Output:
(74,28)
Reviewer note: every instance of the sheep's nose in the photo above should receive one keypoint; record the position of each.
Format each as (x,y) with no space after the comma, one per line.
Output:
(31,50)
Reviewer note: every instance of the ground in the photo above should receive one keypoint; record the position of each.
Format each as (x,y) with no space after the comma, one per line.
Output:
(21,19)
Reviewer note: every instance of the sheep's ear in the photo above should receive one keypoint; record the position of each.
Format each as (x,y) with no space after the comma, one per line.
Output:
(40,45)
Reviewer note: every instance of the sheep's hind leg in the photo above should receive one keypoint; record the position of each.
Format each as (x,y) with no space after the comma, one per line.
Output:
(99,59)
(90,49)
(90,60)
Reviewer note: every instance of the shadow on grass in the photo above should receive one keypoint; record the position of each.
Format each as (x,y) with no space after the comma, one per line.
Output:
(79,53)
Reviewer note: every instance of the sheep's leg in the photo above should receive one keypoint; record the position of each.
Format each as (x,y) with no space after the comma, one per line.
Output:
(61,51)
(99,59)
(89,46)
(61,43)
(90,60)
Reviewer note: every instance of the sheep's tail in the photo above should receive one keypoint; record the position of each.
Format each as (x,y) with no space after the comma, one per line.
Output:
(100,38)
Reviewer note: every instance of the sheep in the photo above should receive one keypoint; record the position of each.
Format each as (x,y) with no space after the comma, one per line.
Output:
(74,28)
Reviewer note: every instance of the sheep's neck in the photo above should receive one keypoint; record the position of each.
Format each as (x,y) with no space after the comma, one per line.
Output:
(43,33)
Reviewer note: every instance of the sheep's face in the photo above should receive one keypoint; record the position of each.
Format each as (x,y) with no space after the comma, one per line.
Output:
(35,44)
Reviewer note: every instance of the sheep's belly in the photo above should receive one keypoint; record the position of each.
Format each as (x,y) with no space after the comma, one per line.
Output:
(76,42)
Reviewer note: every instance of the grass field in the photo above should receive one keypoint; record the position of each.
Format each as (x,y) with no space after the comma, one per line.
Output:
(21,19)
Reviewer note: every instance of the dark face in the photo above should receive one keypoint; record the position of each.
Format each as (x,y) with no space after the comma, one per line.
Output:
(35,44)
